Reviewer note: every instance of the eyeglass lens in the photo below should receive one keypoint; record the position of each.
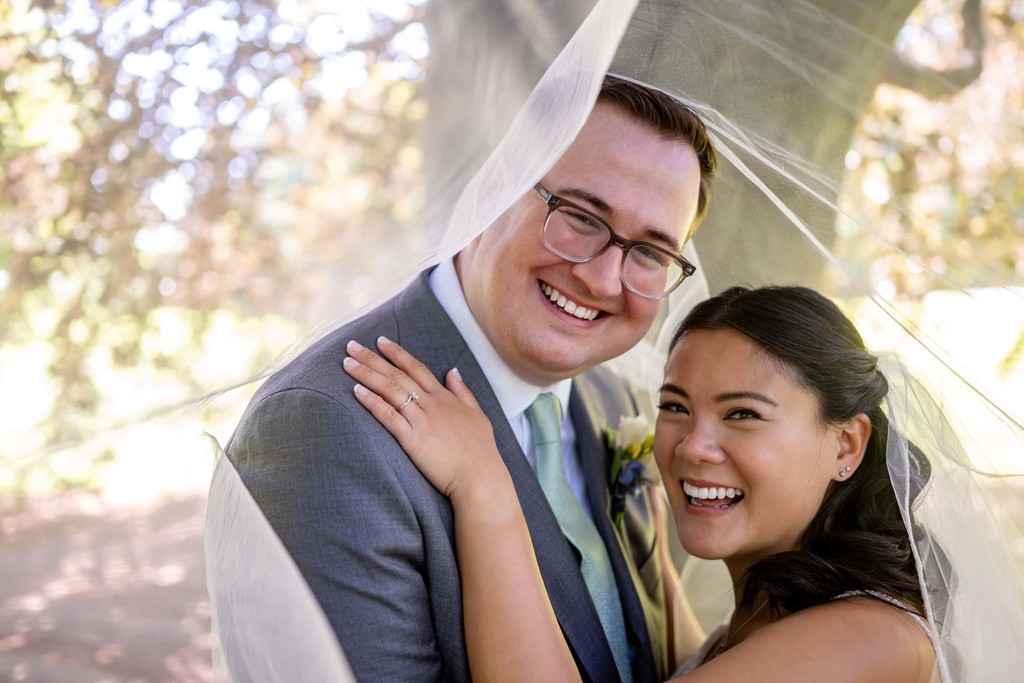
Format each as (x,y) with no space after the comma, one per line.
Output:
(576,236)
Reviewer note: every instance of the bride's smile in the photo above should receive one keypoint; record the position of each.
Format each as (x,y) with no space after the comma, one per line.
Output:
(713,495)
(742,449)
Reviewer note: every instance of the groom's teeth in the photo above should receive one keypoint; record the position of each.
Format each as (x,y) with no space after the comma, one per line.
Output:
(710,492)
(570,307)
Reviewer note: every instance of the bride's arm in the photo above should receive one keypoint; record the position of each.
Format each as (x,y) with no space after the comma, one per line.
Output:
(511,630)
(856,640)
(685,634)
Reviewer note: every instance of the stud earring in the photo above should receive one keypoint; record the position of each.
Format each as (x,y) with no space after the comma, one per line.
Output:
(843,473)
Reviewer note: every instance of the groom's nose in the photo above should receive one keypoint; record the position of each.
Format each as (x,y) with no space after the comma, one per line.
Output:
(602,276)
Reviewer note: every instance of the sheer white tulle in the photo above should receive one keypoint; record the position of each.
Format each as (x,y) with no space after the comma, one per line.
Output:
(972,588)
(759,73)
(267,625)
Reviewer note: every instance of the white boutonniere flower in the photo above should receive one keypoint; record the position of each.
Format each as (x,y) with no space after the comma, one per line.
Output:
(632,449)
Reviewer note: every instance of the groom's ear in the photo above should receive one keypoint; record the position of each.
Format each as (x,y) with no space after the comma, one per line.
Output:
(853,439)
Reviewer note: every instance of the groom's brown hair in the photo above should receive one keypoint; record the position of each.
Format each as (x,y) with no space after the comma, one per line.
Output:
(673,120)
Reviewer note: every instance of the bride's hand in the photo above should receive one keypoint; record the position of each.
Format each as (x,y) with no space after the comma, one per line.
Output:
(442,430)
(451,441)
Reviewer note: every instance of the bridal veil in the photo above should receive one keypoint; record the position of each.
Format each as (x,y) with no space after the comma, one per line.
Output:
(781,86)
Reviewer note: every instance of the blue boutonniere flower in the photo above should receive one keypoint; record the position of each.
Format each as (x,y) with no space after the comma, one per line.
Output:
(632,448)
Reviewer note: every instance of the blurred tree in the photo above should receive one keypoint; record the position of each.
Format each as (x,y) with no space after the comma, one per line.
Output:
(164,162)
(195,157)
(801,114)
(928,175)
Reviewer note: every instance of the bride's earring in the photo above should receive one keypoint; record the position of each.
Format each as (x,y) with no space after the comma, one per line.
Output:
(844,472)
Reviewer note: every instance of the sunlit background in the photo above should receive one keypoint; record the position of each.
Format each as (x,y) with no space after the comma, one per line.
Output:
(188,188)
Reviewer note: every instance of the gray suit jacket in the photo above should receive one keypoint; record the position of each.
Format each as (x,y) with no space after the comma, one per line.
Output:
(375,541)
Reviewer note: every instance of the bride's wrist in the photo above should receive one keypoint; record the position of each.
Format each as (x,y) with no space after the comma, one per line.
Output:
(484,488)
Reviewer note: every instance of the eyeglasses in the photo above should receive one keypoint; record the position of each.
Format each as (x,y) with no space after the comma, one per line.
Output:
(577,235)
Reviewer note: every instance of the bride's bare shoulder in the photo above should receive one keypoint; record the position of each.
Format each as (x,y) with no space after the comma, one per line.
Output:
(855,639)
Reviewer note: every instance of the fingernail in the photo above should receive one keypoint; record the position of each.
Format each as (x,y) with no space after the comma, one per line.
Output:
(383,341)
(354,346)
(360,390)
(350,362)
(455,371)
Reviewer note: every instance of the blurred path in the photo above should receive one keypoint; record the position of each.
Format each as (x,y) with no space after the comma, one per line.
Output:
(90,593)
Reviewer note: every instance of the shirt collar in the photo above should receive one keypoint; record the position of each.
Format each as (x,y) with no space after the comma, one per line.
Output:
(514,394)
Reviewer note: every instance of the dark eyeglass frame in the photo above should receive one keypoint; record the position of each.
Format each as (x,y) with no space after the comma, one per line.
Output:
(555,202)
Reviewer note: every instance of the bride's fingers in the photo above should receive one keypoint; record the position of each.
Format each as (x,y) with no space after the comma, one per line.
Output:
(458,387)
(420,380)
(392,388)
(409,364)
(386,414)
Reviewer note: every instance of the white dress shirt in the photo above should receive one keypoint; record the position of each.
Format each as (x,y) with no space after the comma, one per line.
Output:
(513,393)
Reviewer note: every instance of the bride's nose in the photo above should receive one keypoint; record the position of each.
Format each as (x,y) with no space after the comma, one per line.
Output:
(700,445)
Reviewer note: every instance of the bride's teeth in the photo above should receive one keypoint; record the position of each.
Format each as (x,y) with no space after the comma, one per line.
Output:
(570,307)
(710,492)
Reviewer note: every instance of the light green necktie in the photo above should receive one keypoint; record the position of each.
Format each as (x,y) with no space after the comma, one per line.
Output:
(545,416)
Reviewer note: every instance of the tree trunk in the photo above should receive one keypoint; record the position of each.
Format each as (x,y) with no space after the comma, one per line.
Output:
(802,85)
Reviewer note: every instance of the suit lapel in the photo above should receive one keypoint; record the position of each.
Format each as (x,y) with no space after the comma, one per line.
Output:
(558,561)
(589,419)
(428,333)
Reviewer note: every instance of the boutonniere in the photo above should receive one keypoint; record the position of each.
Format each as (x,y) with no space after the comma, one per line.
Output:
(632,448)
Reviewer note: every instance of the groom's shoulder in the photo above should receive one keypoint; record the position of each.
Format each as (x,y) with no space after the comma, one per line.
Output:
(616,395)
(609,385)
(319,367)
(311,396)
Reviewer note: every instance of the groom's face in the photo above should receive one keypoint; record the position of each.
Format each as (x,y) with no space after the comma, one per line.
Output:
(644,186)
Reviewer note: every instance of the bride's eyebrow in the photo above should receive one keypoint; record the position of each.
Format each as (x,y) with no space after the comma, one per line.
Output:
(728,396)
(752,395)
(668,386)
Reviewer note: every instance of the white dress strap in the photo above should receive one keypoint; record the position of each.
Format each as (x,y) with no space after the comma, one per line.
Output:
(889,599)
(698,657)
(940,662)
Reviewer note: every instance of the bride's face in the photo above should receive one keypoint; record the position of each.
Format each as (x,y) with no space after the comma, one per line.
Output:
(642,184)
(732,420)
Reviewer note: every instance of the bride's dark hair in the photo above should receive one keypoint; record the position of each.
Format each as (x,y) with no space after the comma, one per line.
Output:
(857,540)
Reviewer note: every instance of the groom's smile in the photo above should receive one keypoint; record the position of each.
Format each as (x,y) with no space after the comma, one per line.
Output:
(568,305)
(539,310)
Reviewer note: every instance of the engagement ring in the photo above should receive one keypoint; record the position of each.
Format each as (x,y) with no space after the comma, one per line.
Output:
(412,397)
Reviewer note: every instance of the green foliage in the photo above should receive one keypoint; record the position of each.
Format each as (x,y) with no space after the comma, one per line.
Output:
(190,159)
(178,176)
(943,181)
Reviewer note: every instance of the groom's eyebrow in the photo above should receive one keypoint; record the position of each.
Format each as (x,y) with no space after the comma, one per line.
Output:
(605,208)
